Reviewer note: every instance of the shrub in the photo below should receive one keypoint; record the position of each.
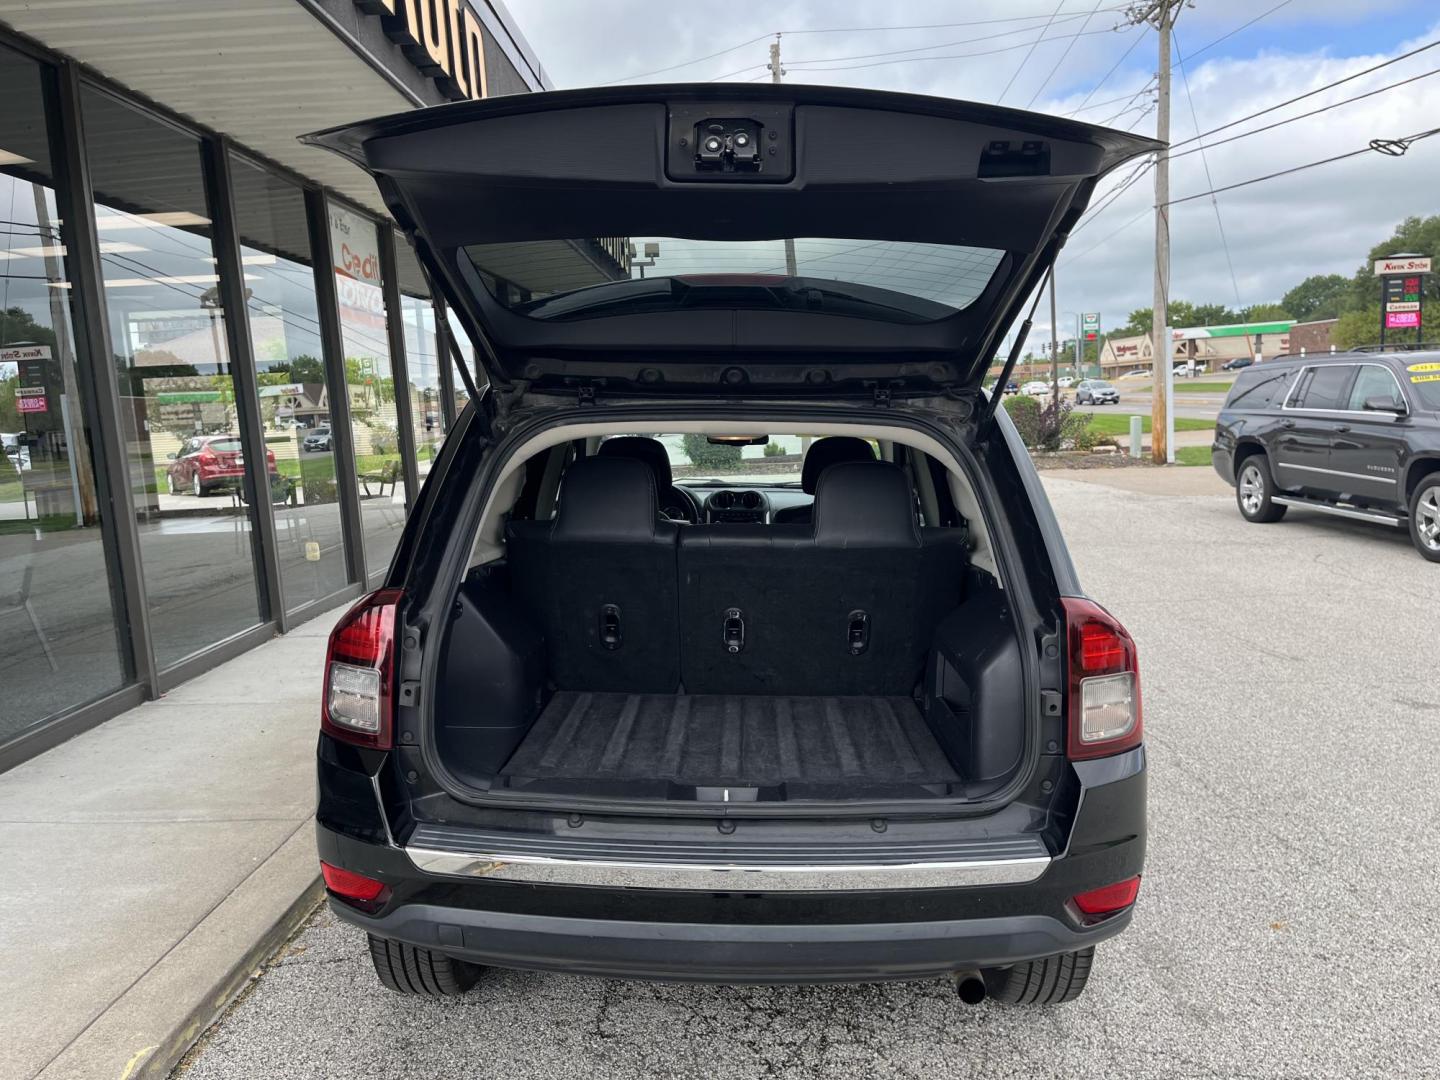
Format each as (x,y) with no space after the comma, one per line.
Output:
(774,449)
(707,455)
(1024,413)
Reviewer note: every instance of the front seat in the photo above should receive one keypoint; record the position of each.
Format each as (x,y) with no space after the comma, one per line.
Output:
(673,502)
(832,450)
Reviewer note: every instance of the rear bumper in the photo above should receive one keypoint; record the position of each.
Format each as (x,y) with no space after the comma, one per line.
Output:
(739,928)
(715,952)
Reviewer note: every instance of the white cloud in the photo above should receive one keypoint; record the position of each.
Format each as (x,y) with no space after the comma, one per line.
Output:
(1320,221)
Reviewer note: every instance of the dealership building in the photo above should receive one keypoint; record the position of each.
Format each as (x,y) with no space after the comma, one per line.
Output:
(222,376)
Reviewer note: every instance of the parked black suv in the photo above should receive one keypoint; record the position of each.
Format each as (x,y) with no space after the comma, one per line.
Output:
(1355,434)
(853,720)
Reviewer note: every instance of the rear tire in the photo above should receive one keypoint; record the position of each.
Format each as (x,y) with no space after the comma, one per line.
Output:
(1254,489)
(1425,517)
(1051,980)
(406,969)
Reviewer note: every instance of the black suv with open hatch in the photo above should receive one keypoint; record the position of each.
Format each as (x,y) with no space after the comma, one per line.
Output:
(638,699)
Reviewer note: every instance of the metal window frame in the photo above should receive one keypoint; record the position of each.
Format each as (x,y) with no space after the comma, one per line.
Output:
(399,362)
(220,194)
(95,358)
(332,345)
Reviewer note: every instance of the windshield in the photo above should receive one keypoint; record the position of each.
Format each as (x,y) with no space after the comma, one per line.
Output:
(1099,384)
(694,460)
(884,279)
(1425,382)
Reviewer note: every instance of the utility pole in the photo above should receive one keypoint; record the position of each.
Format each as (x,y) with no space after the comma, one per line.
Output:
(775,72)
(1161,15)
(1054,346)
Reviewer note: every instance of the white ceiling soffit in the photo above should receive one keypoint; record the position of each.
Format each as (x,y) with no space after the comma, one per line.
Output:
(261,71)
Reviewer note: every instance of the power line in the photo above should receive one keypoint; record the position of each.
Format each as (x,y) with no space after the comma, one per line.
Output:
(1309,93)
(1021,66)
(1312,112)
(942,45)
(1112,196)
(1388,147)
(1110,101)
(1205,161)
(1061,62)
(830,30)
(1108,237)
(1106,77)
(1232,33)
(944,56)
(687,63)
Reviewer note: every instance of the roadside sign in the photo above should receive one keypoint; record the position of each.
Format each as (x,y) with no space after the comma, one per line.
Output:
(1090,325)
(30,402)
(1403,305)
(13,354)
(1402,320)
(1408,265)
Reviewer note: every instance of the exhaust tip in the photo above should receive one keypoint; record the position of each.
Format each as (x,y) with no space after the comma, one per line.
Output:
(970,987)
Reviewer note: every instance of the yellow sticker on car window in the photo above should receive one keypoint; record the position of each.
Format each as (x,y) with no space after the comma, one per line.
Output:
(1423,367)
(1425,378)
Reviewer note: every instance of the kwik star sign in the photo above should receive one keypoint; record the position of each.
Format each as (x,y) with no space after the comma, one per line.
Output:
(1401,280)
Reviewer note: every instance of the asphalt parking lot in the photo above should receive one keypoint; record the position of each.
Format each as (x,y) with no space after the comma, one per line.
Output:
(1286,923)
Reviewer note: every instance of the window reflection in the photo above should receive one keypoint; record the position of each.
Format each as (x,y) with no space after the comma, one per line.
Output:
(177,397)
(422,358)
(369,382)
(294,395)
(58,620)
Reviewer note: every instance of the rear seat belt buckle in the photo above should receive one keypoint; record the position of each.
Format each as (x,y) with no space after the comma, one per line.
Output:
(857,635)
(734,632)
(610,627)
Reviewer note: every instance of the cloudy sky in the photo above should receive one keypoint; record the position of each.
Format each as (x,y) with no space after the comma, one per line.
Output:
(1320,221)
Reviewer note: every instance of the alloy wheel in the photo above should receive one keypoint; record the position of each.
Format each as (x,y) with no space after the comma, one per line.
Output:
(195,488)
(1427,519)
(1252,489)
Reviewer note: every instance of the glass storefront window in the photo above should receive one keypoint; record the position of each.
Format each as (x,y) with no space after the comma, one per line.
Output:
(467,356)
(294,393)
(177,397)
(58,615)
(369,382)
(422,357)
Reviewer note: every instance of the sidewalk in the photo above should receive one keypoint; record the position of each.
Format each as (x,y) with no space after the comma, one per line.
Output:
(149,864)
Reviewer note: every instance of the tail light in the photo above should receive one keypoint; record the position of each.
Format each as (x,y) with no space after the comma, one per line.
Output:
(1104,682)
(360,891)
(360,673)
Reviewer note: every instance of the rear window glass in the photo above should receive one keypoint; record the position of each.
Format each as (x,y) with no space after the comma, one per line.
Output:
(225,446)
(883,279)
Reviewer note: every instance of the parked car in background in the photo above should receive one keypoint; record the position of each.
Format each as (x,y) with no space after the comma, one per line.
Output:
(1012,387)
(867,726)
(1065,382)
(1238,363)
(1037,388)
(1356,435)
(1137,373)
(1096,392)
(317,440)
(209,463)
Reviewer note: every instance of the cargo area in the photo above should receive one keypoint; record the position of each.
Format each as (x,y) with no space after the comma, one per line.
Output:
(611,652)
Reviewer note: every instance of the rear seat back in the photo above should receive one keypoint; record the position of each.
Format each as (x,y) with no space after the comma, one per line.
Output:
(846,607)
(602,579)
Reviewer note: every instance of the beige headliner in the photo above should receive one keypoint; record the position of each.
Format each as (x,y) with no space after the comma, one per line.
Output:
(489,540)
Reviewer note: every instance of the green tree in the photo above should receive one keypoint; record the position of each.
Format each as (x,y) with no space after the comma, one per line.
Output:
(1415,235)
(1264,313)
(1319,296)
(9,411)
(1139,322)
(1360,326)
(1213,315)
(707,455)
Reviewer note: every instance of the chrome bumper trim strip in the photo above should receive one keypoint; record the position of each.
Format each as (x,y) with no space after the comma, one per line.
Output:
(736,877)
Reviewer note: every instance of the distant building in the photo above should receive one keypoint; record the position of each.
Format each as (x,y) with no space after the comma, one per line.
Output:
(1210,346)
(1312,337)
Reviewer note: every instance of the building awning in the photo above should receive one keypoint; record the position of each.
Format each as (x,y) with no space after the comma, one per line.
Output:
(262,71)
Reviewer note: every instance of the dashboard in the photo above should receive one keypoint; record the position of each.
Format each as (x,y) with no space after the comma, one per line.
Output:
(744,506)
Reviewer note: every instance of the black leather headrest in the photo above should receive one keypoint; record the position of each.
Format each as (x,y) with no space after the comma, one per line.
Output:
(865,504)
(831,450)
(606,498)
(642,448)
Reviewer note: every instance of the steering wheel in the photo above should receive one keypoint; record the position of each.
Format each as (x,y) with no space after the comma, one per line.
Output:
(677,504)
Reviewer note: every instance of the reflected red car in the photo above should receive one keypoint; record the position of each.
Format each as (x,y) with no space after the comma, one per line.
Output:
(208,463)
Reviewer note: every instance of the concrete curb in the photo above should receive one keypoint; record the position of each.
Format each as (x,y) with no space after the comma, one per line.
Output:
(145,1032)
